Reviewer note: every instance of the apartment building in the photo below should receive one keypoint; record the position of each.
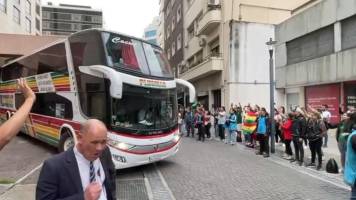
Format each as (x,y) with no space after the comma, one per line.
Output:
(225,52)
(315,57)
(160,31)
(65,19)
(150,32)
(20,17)
(173,32)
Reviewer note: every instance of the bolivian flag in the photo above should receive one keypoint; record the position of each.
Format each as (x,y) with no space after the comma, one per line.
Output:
(249,124)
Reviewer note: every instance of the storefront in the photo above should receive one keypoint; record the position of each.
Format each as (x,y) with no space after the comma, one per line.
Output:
(350,94)
(329,94)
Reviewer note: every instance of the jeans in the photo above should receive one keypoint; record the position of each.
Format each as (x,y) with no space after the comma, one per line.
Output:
(342,149)
(299,150)
(326,137)
(190,128)
(315,148)
(221,131)
(231,137)
(353,193)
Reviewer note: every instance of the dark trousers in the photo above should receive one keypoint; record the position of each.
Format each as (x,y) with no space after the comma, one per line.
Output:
(263,139)
(299,150)
(207,130)
(288,148)
(315,148)
(221,131)
(278,134)
(201,132)
(190,128)
(353,193)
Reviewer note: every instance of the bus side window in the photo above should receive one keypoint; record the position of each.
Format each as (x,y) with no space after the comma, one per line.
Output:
(53,105)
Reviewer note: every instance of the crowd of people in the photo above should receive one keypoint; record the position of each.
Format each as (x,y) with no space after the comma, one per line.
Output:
(252,125)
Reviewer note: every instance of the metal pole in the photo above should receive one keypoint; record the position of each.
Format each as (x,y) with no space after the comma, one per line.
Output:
(271,85)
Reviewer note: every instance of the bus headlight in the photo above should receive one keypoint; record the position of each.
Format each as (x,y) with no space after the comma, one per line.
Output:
(120,145)
(176,137)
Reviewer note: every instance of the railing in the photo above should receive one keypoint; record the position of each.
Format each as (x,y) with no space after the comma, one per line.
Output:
(185,68)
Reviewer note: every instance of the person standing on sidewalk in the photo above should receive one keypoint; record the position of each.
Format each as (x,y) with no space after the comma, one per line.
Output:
(298,132)
(13,125)
(221,122)
(326,116)
(315,132)
(232,129)
(262,132)
(189,122)
(350,159)
(287,135)
(200,124)
(207,124)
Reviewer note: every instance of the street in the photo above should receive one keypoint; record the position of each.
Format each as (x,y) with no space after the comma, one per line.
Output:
(209,170)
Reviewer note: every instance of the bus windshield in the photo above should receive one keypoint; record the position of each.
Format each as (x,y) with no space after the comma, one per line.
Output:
(128,54)
(144,110)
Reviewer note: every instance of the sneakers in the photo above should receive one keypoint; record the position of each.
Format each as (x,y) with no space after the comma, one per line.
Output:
(300,163)
(265,155)
(311,165)
(258,153)
(318,167)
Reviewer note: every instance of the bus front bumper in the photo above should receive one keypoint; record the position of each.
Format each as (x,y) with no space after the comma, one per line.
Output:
(123,159)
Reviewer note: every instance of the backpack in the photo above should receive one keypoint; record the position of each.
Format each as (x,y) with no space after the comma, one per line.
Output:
(332,167)
(313,130)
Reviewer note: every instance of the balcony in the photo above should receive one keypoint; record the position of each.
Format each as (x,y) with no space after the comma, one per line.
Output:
(209,22)
(201,68)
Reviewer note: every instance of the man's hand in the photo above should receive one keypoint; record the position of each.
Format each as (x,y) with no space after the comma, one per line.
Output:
(93,191)
(26,90)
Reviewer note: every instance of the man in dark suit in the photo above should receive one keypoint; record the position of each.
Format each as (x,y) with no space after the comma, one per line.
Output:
(83,172)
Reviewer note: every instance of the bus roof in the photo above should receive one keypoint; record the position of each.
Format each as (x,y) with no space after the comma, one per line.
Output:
(74,34)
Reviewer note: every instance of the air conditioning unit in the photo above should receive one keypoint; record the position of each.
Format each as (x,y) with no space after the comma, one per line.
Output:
(202,42)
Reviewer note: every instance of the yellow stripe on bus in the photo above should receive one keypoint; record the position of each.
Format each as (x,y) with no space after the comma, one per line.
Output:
(48,130)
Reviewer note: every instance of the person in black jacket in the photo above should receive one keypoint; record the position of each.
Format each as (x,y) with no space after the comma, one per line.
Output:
(83,172)
(298,133)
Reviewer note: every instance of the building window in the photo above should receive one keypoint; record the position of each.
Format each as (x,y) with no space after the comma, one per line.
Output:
(86,26)
(86,18)
(3,6)
(28,8)
(28,25)
(190,31)
(38,9)
(173,23)
(179,14)
(173,48)
(38,24)
(76,27)
(179,41)
(312,45)
(16,15)
(76,17)
(97,19)
(45,15)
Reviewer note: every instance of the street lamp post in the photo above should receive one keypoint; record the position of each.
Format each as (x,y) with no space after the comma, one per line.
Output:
(270,45)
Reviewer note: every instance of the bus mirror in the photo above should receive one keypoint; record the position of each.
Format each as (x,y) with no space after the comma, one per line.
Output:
(106,72)
(189,86)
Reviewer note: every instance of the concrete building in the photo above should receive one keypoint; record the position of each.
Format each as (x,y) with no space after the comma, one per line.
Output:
(160,31)
(315,60)
(20,17)
(150,32)
(66,19)
(173,32)
(225,52)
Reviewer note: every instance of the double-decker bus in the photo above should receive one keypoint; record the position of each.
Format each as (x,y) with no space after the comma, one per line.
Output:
(123,81)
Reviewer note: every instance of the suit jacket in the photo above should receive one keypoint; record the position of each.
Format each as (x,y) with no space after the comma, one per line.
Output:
(60,179)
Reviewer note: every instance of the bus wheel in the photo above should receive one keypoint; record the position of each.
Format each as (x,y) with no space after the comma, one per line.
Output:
(66,141)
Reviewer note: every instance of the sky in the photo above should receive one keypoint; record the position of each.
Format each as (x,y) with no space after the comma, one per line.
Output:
(124,16)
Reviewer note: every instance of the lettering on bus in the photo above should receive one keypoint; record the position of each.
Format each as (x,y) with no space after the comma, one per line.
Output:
(45,83)
(152,83)
(7,100)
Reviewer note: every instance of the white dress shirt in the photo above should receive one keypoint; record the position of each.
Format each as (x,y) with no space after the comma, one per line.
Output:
(84,166)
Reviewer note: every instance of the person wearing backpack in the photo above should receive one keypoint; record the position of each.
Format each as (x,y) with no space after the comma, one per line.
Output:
(315,132)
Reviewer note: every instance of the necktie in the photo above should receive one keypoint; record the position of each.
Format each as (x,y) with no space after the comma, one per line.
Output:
(91,172)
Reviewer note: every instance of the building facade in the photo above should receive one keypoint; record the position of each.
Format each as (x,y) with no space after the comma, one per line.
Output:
(20,17)
(160,32)
(225,52)
(315,60)
(173,32)
(151,31)
(66,19)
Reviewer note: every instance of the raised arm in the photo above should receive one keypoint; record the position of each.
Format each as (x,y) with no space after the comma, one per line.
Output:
(12,126)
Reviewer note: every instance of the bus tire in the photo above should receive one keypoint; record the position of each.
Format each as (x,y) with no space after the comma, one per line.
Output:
(66,141)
